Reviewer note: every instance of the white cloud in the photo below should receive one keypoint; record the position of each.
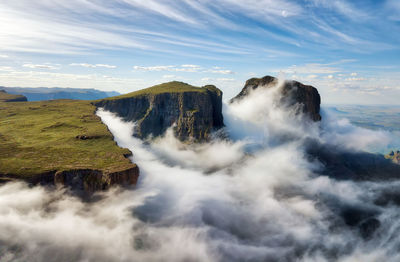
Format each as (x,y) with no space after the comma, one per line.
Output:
(355,79)
(169,76)
(226,79)
(3,56)
(221,71)
(93,65)
(190,66)
(6,68)
(183,68)
(312,76)
(353,74)
(41,66)
(154,68)
(312,69)
(330,77)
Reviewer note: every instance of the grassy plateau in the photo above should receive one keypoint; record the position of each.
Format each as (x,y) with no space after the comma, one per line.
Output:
(58,135)
(170,87)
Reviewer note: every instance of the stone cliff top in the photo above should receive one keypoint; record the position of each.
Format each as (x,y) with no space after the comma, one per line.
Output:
(170,87)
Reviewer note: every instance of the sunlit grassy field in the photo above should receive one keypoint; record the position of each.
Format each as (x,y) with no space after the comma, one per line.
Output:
(36,137)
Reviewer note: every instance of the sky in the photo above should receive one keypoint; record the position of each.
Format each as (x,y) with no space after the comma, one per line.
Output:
(349,50)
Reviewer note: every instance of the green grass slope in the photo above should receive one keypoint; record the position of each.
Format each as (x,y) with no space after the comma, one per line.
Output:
(37,137)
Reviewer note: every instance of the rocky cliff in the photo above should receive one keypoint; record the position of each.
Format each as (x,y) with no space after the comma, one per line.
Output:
(88,180)
(81,180)
(193,111)
(293,92)
(6,97)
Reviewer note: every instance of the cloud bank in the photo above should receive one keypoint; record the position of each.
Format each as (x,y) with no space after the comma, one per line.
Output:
(253,197)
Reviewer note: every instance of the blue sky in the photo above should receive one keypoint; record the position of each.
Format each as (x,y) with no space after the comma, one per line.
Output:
(349,50)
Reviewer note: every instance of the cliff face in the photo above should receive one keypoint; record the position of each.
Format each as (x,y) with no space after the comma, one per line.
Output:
(293,92)
(81,180)
(195,112)
(88,180)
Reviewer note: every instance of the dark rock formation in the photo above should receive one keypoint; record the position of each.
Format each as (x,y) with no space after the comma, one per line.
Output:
(88,180)
(351,165)
(362,218)
(6,97)
(194,111)
(293,92)
(81,180)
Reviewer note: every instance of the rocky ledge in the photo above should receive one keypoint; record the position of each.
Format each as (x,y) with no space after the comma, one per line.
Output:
(81,180)
(88,180)
(194,112)
(293,92)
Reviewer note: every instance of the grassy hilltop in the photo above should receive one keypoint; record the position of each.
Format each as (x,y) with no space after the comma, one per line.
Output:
(170,87)
(59,135)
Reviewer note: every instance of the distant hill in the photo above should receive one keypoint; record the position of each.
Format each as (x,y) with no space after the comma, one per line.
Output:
(6,97)
(46,93)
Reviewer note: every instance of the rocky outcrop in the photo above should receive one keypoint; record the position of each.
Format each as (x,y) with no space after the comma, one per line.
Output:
(293,93)
(6,97)
(81,180)
(344,164)
(193,112)
(88,180)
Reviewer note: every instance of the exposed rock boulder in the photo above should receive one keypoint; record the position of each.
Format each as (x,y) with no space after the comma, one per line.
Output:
(194,111)
(293,92)
(88,180)
(6,97)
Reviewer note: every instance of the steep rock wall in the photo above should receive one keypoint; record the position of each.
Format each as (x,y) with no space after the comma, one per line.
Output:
(195,114)
(293,92)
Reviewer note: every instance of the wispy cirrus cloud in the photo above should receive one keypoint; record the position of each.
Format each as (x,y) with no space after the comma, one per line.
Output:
(41,66)
(314,68)
(183,68)
(93,65)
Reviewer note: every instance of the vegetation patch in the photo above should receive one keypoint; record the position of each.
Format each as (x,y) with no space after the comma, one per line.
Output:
(58,135)
(170,87)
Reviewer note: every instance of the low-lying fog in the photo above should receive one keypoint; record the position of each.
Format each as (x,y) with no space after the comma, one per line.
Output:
(253,197)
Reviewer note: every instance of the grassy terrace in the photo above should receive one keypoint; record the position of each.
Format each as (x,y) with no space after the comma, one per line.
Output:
(170,87)
(36,137)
